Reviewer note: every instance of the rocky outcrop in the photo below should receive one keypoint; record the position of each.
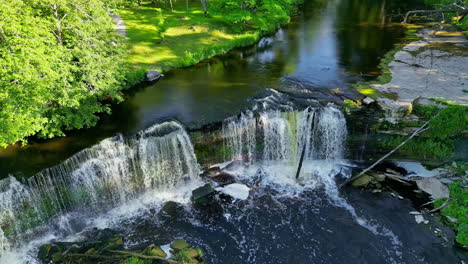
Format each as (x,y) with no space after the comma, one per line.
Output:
(434,187)
(394,110)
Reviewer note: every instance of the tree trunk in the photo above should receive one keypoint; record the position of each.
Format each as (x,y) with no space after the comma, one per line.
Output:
(203,2)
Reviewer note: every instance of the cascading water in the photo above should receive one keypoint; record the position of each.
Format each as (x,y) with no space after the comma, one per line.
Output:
(276,135)
(98,178)
(272,141)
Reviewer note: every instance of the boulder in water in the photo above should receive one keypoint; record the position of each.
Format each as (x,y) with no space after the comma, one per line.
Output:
(151,76)
(171,208)
(202,194)
(364,180)
(153,250)
(179,244)
(223,178)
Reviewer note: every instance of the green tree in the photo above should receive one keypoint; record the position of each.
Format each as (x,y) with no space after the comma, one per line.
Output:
(59,61)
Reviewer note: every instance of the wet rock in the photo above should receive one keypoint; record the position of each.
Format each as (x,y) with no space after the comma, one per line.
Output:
(46,252)
(419,219)
(223,178)
(378,177)
(90,251)
(179,244)
(192,253)
(376,191)
(364,180)
(151,76)
(114,243)
(433,187)
(171,209)
(153,250)
(394,110)
(202,194)
(368,100)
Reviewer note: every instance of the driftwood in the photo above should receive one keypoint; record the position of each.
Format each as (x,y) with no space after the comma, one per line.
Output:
(134,254)
(397,178)
(440,207)
(420,130)
(459,11)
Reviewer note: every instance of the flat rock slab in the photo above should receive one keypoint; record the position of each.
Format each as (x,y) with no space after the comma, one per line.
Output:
(435,67)
(434,187)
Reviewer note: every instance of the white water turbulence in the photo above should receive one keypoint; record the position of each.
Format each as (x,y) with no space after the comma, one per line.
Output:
(270,145)
(102,177)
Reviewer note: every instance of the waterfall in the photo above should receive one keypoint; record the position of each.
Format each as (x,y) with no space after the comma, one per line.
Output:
(275,135)
(106,175)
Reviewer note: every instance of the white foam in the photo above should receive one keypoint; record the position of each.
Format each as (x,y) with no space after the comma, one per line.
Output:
(235,190)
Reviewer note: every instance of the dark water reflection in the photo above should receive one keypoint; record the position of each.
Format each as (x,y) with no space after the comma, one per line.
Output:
(305,228)
(328,44)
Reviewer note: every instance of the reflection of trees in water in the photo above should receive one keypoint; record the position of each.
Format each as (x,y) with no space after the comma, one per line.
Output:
(365,30)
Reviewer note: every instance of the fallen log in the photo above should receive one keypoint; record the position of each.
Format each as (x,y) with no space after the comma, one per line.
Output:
(303,151)
(134,254)
(459,11)
(420,130)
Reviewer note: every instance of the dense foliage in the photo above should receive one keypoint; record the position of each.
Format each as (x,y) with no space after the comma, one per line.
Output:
(265,15)
(59,61)
(457,207)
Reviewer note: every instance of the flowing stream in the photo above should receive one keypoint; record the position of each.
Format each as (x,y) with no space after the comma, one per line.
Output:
(268,104)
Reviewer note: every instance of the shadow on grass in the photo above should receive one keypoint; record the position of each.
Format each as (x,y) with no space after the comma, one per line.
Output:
(163,39)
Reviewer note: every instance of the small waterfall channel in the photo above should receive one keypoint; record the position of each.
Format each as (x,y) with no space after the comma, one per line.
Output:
(96,179)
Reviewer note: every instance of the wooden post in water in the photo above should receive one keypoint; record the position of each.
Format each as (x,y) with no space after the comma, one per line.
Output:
(304,149)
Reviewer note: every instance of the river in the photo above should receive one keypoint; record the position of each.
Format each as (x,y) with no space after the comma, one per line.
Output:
(274,95)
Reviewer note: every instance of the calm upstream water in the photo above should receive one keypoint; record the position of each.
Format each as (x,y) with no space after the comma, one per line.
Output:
(118,175)
(329,44)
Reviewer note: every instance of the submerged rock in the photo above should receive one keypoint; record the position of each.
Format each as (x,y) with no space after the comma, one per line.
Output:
(434,187)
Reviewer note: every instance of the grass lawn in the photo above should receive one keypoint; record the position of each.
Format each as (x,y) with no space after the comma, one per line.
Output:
(162,39)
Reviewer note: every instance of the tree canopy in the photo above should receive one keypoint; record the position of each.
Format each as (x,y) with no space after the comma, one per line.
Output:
(60,60)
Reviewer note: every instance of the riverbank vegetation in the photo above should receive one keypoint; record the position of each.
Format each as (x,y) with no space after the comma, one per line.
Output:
(163,36)
(62,63)
(456,20)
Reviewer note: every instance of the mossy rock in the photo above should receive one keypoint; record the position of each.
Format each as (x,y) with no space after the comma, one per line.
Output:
(364,180)
(192,253)
(179,244)
(46,252)
(153,250)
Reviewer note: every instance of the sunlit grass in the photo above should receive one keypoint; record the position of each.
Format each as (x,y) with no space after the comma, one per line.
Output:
(161,39)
